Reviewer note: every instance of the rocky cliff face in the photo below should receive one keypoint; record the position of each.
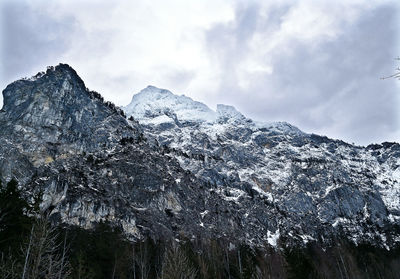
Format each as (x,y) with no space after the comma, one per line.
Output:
(53,115)
(295,185)
(184,170)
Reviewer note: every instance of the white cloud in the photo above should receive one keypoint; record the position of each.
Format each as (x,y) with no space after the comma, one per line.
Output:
(142,41)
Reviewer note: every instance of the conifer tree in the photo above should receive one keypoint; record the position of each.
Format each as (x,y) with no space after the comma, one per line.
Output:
(14,222)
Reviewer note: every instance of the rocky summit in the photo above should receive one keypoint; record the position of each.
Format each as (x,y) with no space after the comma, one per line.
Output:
(166,166)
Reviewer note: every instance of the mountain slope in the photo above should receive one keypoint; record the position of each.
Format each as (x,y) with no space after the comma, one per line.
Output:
(186,171)
(63,141)
(318,186)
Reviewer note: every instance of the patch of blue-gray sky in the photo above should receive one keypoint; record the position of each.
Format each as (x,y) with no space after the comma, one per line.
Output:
(30,38)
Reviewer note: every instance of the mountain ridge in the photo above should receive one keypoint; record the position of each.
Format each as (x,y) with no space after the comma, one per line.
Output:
(184,169)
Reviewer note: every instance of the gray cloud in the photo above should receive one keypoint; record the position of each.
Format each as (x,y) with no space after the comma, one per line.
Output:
(332,87)
(326,83)
(179,77)
(227,43)
(31,39)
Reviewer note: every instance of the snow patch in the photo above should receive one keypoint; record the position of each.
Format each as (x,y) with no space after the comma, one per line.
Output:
(152,99)
(273,237)
(226,112)
(307,238)
(389,182)
(204,213)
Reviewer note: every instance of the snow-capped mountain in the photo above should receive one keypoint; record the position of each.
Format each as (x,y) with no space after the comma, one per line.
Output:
(178,169)
(154,103)
(311,185)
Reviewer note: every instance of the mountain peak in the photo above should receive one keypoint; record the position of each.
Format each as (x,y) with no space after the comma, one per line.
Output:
(156,101)
(56,80)
(63,68)
(153,89)
(58,105)
(61,71)
(226,112)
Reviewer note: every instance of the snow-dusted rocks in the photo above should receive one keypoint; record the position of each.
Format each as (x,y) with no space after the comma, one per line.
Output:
(181,169)
(153,102)
(228,113)
(312,187)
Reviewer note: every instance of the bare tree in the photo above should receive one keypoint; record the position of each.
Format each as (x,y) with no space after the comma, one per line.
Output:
(45,256)
(27,253)
(396,74)
(228,268)
(141,260)
(176,264)
(9,267)
(203,266)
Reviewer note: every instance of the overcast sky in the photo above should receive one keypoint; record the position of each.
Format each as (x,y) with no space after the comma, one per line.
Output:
(316,64)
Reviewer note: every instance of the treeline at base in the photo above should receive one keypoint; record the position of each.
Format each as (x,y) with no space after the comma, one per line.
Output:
(30,248)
